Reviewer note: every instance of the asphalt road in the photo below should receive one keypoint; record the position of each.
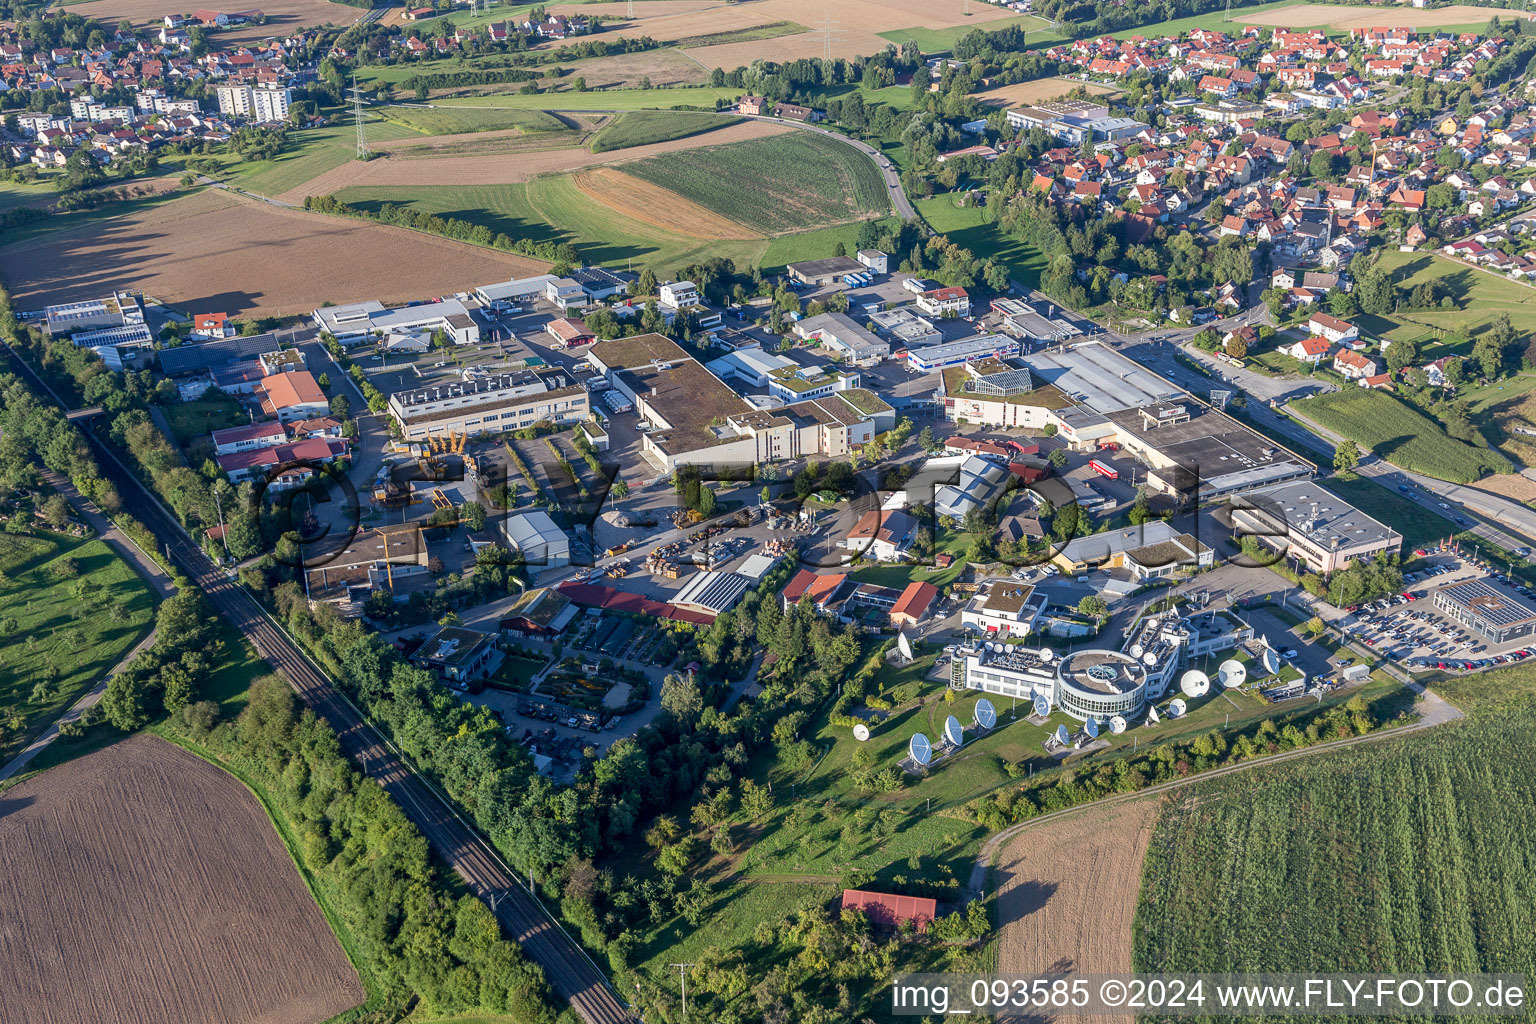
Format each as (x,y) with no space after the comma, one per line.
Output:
(570,972)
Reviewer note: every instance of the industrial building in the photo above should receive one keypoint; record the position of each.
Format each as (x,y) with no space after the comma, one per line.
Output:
(992,393)
(1315,527)
(357,320)
(956,353)
(1192,450)
(1021,320)
(823,272)
(535,536)
(1092,684)
(839,333)
(113,326)
(905,328)
(1491,613)
(712,593)
(456,654)
(1153,549)
(489,404)
(392,559)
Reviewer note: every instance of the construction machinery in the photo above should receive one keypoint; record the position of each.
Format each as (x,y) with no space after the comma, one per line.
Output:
(431,468)
(440,501)
(686,517)
(389,494)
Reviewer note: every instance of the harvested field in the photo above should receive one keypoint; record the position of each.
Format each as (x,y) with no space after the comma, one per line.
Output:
(853,31)
(1038,91)
(1355,17)
(283,16)
(498,170)
(216,250)
(657,206)
(145,886)
(624,70)
(1067,892)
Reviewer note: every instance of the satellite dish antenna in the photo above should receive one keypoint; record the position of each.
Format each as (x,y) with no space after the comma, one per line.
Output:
(952,731)
(1117,725)
(1176,707)
(861,732)
(1152,716)
(1042,706)
(1271,661)
(1194,683)
(1091,727)
(1047,655)
(986,714)
(990,646)
(1152,625)
(1062,736)
(1232,673)
(1149,658)
(904,646)
(1136,650)
(920,750)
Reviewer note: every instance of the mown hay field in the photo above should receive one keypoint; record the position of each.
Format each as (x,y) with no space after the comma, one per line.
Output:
(656,206)
(1400,856)
(1067,891)
(143,885)
(1339,17)
(788,183)
(471,168)
(1040,90)
(218,251)
(1402,435)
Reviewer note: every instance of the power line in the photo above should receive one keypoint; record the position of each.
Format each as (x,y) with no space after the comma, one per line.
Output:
(357,117)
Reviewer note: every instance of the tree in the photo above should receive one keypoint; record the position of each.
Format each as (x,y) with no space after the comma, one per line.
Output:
(56,512)
(1058,457)
(1321,164)
(1093,605)
(1488,355)
(681,699)
(473,513)
(620,488)
(1141,509)
(1346,456)
(707,502)
(1237,346)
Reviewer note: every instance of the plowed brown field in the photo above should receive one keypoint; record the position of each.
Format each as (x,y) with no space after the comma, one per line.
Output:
(1067,893)
(143,885)
(1341,17)
(508,169)
(854,24)
(219,251)
(652,204)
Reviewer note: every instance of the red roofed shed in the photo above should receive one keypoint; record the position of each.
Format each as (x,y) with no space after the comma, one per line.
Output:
(887,910)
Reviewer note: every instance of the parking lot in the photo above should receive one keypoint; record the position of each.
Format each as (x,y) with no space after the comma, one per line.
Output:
(1409,629)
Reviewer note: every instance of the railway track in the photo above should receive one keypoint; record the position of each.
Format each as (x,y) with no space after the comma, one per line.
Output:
(571,973)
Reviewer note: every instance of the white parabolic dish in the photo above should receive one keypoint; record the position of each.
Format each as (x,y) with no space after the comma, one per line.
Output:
(1117,725)
(920,749)
(861,732)
(952,730)
(1232,673)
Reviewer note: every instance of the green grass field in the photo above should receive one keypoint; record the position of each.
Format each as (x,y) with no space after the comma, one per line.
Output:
(942,40)
(1481,296)
(644,127)
(702,97)
(312,153)
(1419,526)
(79,638)
(968,227)
(775,185)
(1401,434)
(551,208)
(441,121)
(14,194)
(772,30)
(195,420)
(1410,855)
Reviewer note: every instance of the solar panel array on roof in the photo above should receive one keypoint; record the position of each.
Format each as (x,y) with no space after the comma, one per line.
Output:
(210,354)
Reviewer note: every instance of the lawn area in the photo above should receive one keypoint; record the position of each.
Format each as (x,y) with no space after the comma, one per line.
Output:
(1420,526)
(1480,296)
(644,127)
(774,185)
(1397,856)
(311,153)
(196,419)
(968,227)
(14,194)
(942,40)
(1401,434)
(443,121)
(59,638)
(702,97)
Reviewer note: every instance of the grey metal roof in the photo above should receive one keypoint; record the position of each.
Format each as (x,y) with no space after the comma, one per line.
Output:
(207,355)
(1101,378)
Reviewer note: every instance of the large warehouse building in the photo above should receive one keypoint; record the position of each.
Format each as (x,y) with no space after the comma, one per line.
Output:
(1314,526)
(500,402)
